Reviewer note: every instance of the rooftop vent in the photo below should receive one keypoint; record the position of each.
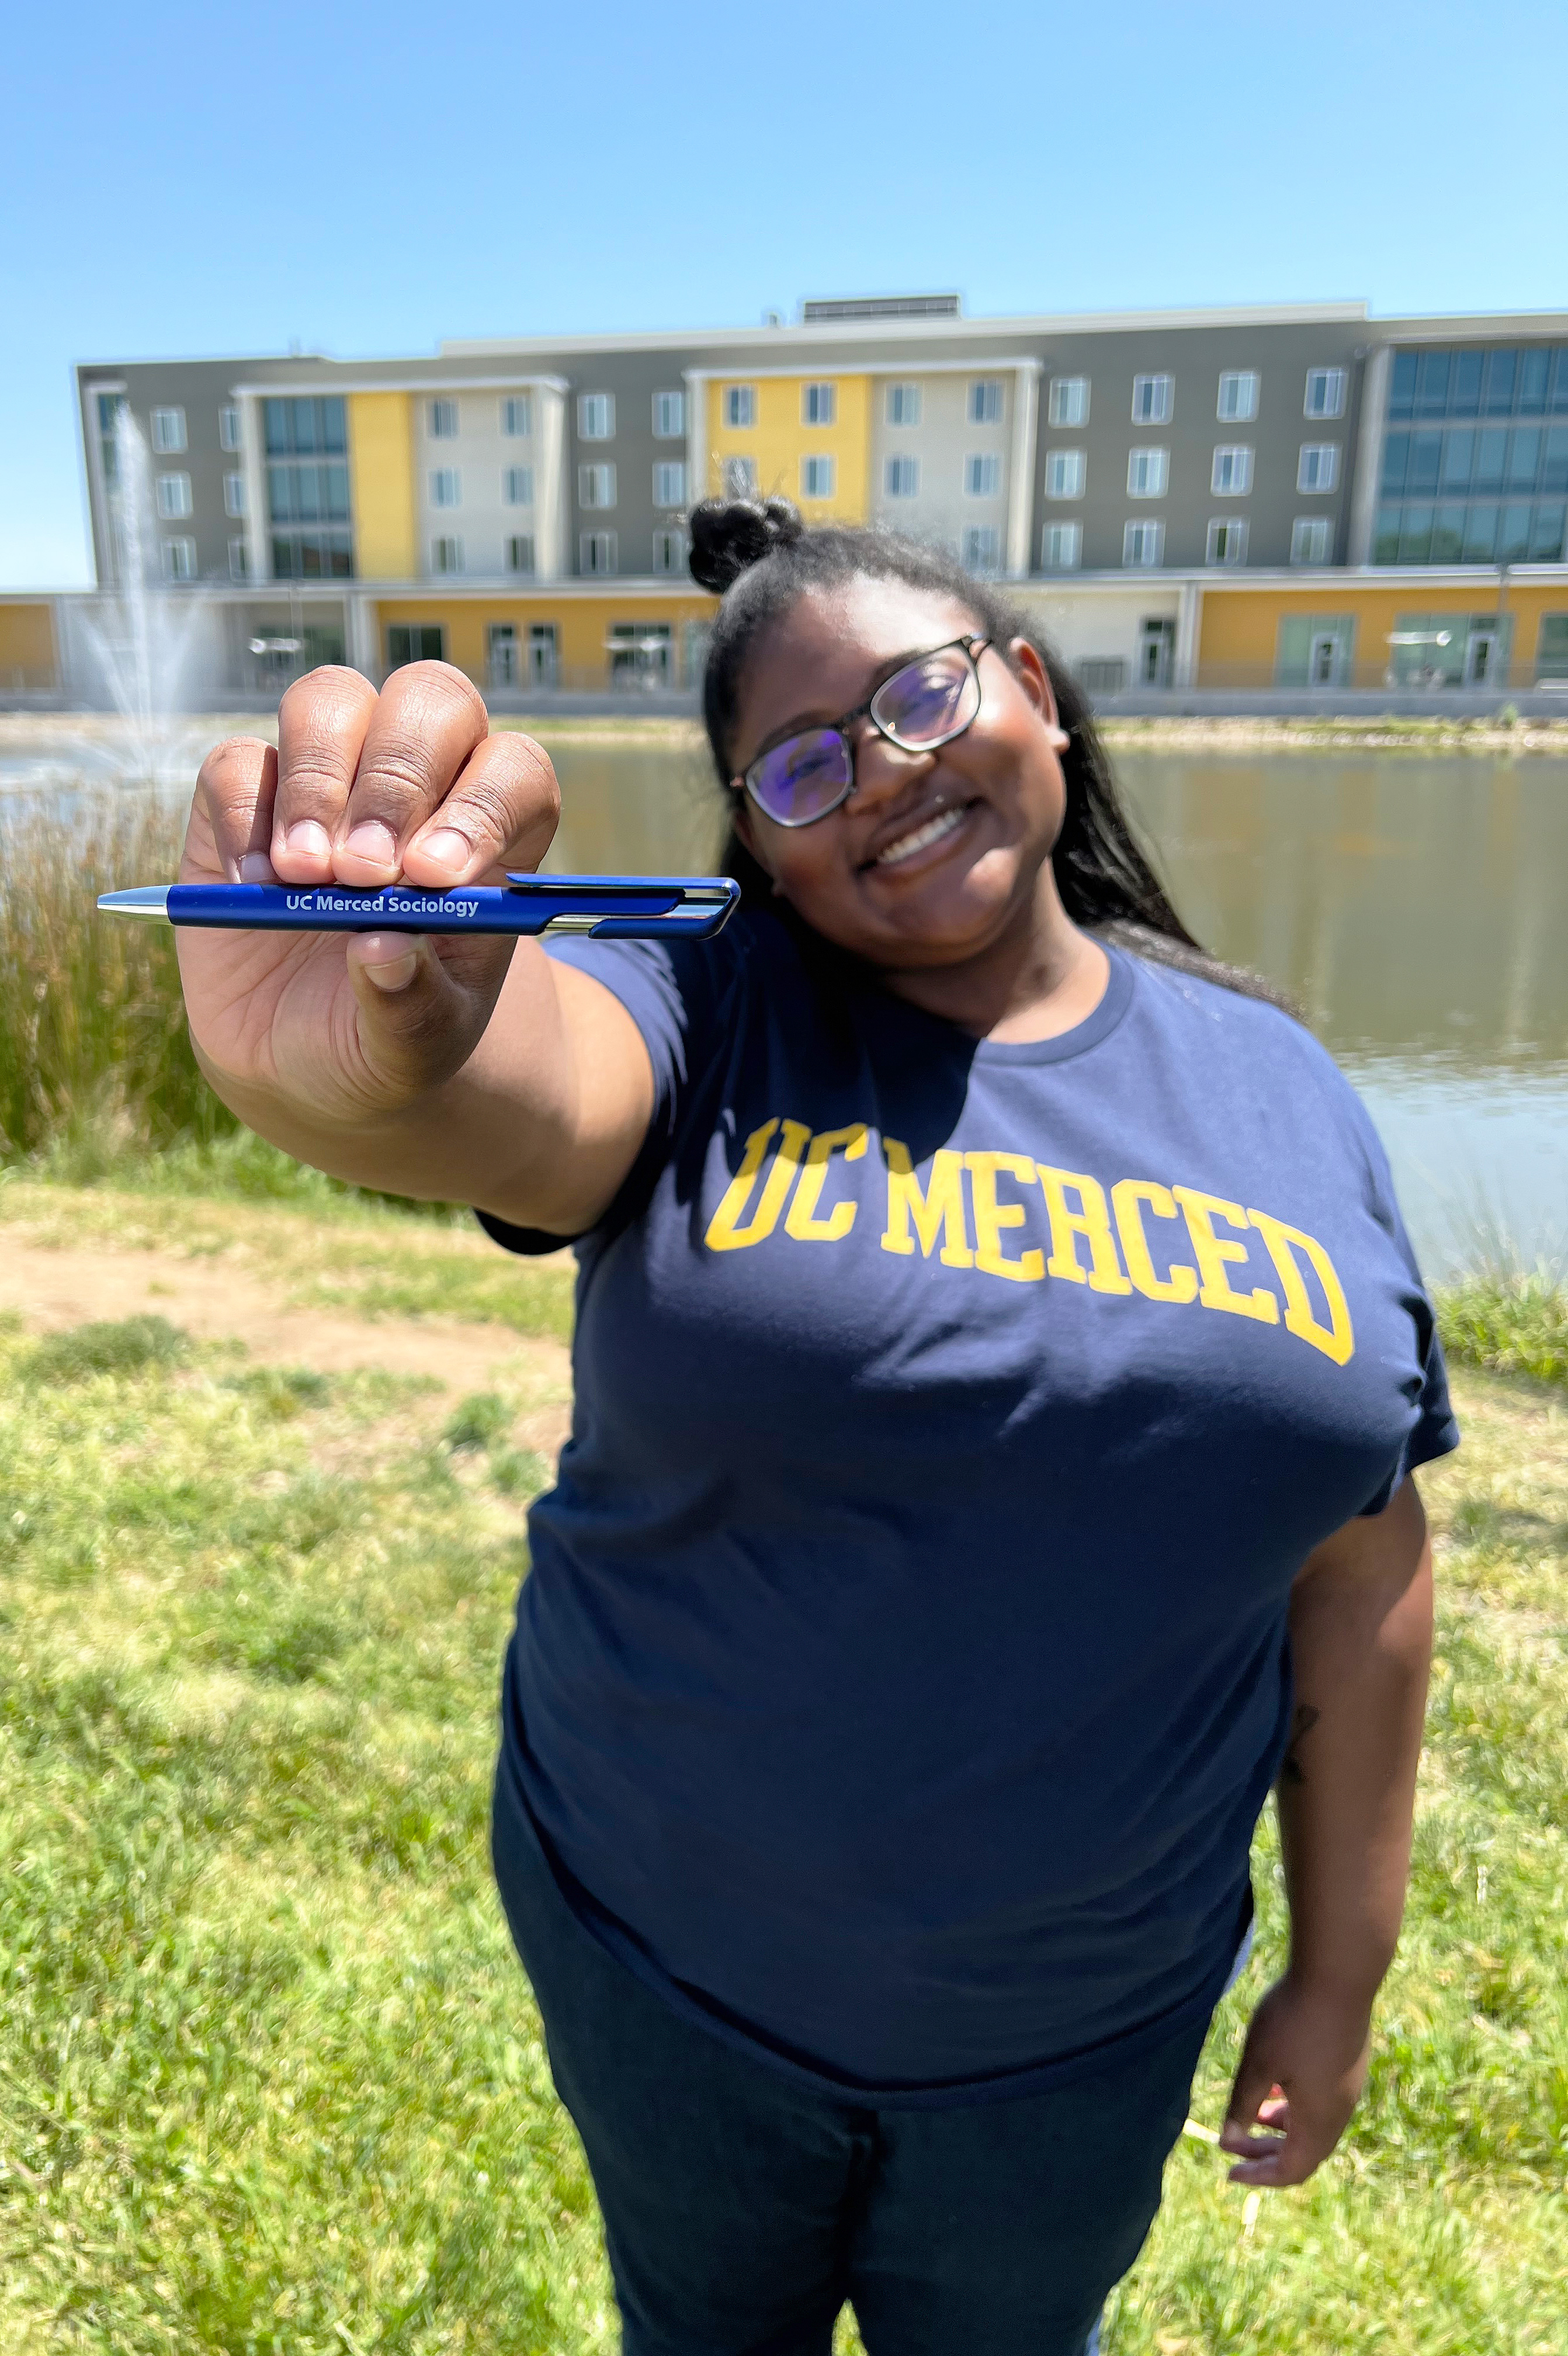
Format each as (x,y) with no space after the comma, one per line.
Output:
(880,306)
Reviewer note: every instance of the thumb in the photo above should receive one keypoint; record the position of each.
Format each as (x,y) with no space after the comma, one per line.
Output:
(1255,2082)
(419,1015)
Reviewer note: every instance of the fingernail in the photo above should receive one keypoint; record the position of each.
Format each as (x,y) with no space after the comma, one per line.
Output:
(395,973)
(373,840)
(448,847)
(256,868)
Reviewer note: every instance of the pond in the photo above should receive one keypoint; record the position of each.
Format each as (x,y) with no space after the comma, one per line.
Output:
(1416,907)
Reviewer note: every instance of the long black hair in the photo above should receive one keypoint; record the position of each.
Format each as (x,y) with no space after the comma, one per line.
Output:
(759,559)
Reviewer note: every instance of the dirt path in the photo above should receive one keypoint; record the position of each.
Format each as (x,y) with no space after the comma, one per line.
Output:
(49,1288)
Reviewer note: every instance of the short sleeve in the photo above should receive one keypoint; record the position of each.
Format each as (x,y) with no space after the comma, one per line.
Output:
(675,991)
(1434,1431)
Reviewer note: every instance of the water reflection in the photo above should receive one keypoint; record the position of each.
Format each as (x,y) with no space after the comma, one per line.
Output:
(1417,908)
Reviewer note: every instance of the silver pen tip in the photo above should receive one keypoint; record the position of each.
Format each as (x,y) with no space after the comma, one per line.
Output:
(145,900)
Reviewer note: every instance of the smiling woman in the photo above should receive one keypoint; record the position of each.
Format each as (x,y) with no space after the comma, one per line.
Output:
(1000,1370)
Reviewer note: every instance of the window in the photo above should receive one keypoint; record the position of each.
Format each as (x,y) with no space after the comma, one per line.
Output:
(596,552)
(1227,542)
(1317,468)
(1552,648)
(1325,392)
(179,560)
(816,477)
(596,416)
(982,548)
(739,406)
(229,428)
(174,495)
(1154,398)
(521,552)
(1148,472)
(669,482)
(903,404)
(985,401)
(239,561)
(518,415)
(1315,649)
(1238,395)
(818,404)
(234,495)
(1061,546)
(1064,474)
(446,488)
(168,430)
(1309,540)
(596,486)
(312,556)
(1102,674)
(669,551)
(411,642)
(669,416)
(1068,403)
(739,479)
(518,487)
(903,478)
(1143,543)
(1233,471)
(982,476)
(307,491)
(446,555)
(443,421)
(304,428)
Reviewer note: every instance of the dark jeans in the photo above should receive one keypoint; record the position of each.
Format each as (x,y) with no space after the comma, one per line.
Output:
(741,2210)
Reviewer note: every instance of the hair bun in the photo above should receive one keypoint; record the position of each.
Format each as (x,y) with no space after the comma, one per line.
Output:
(728,536)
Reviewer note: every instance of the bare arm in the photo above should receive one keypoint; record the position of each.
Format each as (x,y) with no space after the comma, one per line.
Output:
(1360,1626)
(447,1068)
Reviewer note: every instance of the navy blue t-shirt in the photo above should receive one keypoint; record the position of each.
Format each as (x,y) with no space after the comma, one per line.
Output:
(902,1665)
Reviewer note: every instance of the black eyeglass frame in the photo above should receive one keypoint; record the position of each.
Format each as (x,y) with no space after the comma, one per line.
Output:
(973,648)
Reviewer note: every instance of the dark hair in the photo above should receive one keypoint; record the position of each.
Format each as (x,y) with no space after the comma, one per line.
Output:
(759,558)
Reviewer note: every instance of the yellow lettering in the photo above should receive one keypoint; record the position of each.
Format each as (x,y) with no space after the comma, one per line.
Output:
(1337,1340)
(1213,1252)
(803,1223)
(1125,1196)
(938,1211)
(1092,1221)
(991,1216)
(725,1232)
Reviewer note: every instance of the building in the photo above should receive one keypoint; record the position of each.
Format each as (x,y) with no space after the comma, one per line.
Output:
(1284,498)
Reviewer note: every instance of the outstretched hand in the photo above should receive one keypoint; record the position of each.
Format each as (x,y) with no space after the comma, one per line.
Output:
(366,790)
(1300,2077)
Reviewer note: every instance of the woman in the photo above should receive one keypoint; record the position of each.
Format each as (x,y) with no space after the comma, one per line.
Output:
(1000,1373)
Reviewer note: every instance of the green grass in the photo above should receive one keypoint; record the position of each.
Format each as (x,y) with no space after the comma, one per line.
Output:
(1510,1321)
(270,2082)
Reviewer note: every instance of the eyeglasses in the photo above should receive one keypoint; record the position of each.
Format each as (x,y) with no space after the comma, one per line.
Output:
(927,703)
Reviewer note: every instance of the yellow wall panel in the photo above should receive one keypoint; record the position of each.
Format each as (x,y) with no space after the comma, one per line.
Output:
(381,479)
(27,658)
(780,439)
(581,625)
(1240,636)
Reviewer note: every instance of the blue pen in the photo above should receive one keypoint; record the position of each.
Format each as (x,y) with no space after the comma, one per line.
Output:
(610,907)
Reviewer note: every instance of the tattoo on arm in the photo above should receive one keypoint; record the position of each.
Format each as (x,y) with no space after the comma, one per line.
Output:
(1306,1718)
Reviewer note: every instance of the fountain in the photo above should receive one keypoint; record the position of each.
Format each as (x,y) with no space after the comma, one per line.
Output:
(147,647)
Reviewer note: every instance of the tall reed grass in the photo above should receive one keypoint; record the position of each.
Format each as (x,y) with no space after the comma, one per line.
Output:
(94,1052)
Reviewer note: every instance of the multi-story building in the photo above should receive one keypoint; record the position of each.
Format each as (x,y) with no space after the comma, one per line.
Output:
(1295,496)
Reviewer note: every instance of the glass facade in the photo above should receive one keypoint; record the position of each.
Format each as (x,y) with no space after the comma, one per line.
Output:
(1475,460)
(306,442)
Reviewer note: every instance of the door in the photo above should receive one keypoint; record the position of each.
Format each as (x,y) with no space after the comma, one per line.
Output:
(1323,660)
(501,643)
(1482,659)
(410,642)
(541,654)
(1157,651)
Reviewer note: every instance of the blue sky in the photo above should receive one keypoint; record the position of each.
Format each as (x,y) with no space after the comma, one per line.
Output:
(176,179)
